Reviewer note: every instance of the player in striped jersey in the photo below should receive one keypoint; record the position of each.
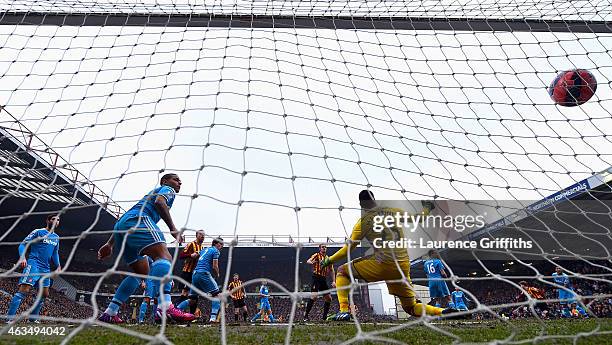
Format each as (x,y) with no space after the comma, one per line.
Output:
(238,296)
(190,254)
(532,292)
(43,245)
(319,280)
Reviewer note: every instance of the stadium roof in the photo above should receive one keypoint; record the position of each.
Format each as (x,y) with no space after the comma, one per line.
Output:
(36,181)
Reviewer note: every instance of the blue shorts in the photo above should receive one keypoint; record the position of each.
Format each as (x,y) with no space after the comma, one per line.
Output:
(438,288)
(146,234)
(265,305)
(203,281)
(461,307)
(566,296)
(32,274)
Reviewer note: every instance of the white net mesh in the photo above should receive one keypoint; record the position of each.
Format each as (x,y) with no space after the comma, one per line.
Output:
(274,129)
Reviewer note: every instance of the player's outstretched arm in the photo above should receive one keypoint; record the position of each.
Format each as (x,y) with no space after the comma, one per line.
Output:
(164,212)
(356,236)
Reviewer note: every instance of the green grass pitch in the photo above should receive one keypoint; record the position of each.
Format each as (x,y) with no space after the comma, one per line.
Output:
(525,332)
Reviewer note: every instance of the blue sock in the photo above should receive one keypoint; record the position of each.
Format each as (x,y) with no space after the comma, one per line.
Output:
(271,318)
(36,310)
(160,268)
(216,305)
(183,305)
(15,303)
(127,287)
(143,311)
(256,317)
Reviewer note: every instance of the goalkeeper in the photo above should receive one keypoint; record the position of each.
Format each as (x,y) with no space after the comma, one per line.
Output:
(385,264)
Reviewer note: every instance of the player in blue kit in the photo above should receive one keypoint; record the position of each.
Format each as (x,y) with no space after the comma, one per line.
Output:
(459,299)
(434,268)
(136,234)
(566,295)
(149,293)
(43,245)
(204,275)
(264,304)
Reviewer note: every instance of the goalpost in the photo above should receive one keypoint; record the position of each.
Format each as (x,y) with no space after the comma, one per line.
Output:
(277,113)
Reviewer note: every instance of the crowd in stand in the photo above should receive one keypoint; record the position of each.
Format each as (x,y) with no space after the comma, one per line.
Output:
(56,305)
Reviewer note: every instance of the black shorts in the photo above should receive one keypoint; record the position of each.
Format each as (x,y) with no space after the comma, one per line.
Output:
(238,303)
(187,277)
(319,283)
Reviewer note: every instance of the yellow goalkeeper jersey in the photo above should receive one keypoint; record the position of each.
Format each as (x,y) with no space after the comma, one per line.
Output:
(364,229)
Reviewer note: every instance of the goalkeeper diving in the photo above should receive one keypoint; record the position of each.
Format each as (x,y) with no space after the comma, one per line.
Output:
(385,264)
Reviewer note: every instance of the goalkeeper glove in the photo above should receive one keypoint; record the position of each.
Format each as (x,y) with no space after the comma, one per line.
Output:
(326,262)
(428,204)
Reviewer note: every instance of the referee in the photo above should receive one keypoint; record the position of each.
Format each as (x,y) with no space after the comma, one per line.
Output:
(191,254)
(319,280)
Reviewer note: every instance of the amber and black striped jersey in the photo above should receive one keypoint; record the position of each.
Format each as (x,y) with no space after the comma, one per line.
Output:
(316,260)
(535,292)
(190,263)
(238,294)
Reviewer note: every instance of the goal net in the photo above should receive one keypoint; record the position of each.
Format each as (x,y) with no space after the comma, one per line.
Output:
(276,114)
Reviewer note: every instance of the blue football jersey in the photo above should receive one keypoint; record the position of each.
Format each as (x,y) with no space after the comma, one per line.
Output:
(43,250)
(561,279)
(433,268)
(458,298)
(146,205)
(206,259)
(264,293)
